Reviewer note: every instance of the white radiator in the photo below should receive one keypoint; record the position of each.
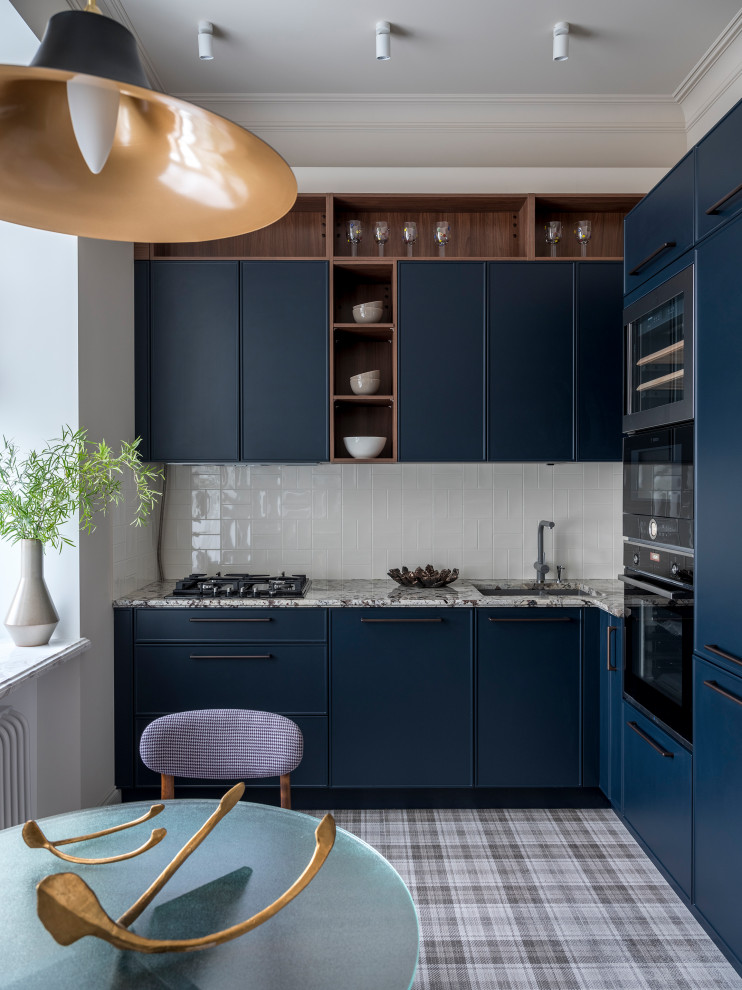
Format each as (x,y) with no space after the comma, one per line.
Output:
(15,768)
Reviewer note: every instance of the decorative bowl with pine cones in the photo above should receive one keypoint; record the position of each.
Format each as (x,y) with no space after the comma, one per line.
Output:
(423,577)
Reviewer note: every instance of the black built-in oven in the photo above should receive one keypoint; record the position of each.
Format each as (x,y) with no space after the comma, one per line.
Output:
(658,658)
(658,355)
(658,487)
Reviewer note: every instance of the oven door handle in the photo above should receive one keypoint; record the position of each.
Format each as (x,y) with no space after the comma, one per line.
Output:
(653,589)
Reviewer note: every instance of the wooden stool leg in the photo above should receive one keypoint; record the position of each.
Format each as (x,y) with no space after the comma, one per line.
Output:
(167,787)
(286,790)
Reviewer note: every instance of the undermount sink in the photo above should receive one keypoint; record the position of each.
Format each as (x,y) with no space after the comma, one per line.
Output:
(545,592)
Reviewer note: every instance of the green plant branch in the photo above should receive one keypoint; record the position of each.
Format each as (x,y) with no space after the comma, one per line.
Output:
(70,476)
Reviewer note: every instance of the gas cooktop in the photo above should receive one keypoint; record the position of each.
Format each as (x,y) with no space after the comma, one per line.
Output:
(240,586)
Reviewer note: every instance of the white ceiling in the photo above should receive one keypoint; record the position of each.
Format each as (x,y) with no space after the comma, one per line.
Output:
(438,46)
(303,75)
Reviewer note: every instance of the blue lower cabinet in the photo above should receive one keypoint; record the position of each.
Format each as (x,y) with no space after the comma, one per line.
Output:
(657,793)
(401,697)
(311,772)
(529,681)
(717,773)
(611,707)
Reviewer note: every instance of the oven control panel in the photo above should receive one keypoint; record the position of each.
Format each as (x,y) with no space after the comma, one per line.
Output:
(658,562)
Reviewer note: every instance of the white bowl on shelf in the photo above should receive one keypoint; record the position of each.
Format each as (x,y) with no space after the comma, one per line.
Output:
(370,312)
(364,446)
(367,383)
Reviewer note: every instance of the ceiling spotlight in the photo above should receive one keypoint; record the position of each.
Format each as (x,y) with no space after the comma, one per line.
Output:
(561,42)
(383,35)
(205,34)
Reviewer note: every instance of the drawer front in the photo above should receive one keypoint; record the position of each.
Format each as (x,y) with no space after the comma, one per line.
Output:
(270,678)
(255,625)
(657,788)
(311,772)
(659,228)
(717,770)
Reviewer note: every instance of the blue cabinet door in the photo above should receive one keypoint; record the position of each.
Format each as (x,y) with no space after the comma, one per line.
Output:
(441,361)
(657,793)
(285,340)
(717,780)
(530,361)
(718,466)
(599,345)
(193,350)
(719,174)
(529,677)
(611,706)
(660,227)
(401,697)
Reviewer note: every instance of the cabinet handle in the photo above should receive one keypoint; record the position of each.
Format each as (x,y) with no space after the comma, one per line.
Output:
(230,656)
(230,620)
(715,687)
(717,206)
(721,653)
(652,743)
(401,620)
(652,256)
(565,619)
(609,648)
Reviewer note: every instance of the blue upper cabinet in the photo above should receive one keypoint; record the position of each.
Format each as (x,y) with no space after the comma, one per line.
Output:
(285,343)
(660,227)
(599,349)
(719,173)
(441,361)
(530,361)
(193,351)
(718,466)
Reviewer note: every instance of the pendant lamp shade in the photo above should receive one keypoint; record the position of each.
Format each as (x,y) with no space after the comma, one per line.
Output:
(175,172)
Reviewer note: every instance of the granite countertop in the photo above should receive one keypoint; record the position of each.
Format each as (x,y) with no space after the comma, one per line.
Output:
(602,593)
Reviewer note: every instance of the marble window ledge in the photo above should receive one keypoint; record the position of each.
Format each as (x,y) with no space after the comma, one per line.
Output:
(21,663)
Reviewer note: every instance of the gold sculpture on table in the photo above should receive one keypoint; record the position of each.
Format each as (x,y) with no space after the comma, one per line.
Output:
(69,909)
(35,839)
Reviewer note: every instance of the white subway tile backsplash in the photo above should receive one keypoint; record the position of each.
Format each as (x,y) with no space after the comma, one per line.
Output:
(358,520)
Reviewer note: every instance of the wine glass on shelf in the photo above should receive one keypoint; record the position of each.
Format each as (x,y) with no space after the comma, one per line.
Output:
(441,236)
(355,234)
(409,235)
(553,234)
(381,235)
(583,233)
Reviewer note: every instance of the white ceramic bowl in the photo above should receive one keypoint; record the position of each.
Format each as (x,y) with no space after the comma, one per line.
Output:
(364,446)
(370,312)
(363,385)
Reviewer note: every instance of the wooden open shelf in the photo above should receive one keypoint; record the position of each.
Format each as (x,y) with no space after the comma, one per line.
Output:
(481,226)
(606,212)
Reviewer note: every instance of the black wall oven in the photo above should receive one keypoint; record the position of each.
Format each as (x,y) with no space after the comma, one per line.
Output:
(658,355)
(658,575)
(659,635)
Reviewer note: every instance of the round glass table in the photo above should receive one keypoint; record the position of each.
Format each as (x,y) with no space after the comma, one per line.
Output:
(354,927)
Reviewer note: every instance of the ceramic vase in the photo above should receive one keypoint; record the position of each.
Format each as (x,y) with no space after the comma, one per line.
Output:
(31,618)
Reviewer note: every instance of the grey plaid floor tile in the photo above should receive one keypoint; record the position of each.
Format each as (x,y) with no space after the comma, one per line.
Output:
(540,900)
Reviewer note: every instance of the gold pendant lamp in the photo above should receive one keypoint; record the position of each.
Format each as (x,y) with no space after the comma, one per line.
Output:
(87,148)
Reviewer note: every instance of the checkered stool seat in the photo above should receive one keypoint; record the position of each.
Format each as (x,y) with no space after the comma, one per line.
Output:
(222,744)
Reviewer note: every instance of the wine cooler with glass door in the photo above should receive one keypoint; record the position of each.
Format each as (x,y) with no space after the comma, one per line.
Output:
(658,353)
